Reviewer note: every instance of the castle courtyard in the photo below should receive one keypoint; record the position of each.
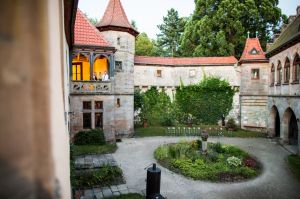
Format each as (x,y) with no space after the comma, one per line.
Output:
(275,181)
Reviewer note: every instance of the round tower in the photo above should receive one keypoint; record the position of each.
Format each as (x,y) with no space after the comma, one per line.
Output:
(117,30)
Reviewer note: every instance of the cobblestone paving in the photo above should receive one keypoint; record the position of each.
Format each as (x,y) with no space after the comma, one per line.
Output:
(94,161)
(106,192)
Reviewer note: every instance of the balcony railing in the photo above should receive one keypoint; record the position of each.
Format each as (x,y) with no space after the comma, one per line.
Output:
(90,87)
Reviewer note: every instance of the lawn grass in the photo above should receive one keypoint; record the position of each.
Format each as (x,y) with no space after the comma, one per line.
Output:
(294,164)
(128,196)
(161,131)
(94,149)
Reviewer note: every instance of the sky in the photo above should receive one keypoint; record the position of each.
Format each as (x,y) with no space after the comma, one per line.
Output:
(149,13)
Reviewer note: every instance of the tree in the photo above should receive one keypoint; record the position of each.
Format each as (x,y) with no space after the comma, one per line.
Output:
(171,30)
(133,23)
(219,28)
(93,21)
(144,46)
(206,102)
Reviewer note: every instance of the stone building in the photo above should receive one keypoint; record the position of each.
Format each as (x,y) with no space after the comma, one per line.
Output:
(168,73)
(284,87)
(101,94)
(34,138)
(254,72)
(268,83)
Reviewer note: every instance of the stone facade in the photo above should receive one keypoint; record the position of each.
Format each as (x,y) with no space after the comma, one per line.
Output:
(284,97)
(146,76)
(253,96)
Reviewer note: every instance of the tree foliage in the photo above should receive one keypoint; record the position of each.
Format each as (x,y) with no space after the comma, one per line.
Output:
(156,107)
(171,30)
(144,46)
(206,101)
(219,27)
(93,20)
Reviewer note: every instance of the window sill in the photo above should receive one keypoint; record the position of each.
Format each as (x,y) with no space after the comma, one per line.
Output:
(278,84)
(285,83)
(295,82)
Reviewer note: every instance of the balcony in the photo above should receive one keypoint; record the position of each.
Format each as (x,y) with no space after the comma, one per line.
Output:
(90,87)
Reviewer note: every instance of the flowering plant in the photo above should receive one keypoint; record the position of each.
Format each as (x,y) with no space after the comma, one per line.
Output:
(234,161)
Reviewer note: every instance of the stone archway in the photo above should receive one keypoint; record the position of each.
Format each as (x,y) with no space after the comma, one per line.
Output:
(290,127)
(274,122)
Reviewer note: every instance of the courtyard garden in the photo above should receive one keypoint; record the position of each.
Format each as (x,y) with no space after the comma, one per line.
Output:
(220,163)
(194,109)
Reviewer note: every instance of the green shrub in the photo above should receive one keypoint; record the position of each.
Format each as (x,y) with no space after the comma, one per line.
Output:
(91,137)
(234,161)
(105,176)
(234,151)
(185,158)
(218,147)
(231,125)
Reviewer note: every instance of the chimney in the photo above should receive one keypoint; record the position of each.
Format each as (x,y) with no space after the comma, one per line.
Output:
(298,10)
(291,18)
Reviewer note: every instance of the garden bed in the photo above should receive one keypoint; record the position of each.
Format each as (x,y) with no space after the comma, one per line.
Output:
(105,176)
(94,149)
(221,163)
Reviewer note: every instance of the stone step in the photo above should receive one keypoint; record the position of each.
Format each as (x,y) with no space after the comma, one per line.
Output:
(94,161)
(105,192)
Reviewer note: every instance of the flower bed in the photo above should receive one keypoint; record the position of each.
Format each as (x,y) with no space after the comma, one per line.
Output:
(221,163)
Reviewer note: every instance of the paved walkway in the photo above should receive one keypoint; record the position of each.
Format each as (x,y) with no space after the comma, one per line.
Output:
(94,161)
(276,181)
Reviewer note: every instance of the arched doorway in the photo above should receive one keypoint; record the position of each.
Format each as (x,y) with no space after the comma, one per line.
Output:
(290,127)
(275,122)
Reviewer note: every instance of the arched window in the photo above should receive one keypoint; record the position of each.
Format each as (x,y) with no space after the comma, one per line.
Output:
(81,67)
(287,71)
(272,78)
(296,68)
(279,73)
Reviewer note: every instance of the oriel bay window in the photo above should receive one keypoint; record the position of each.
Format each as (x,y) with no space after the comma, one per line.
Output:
(91,67)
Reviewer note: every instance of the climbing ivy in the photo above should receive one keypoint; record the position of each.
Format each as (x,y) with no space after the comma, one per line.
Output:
(205,102)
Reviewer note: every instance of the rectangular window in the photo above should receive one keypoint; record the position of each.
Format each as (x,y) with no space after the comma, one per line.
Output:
(118,65)
(158,73)
(254,73)
(87,121)
(99,120)
(98,104)
(87,105)
(118,102)
(77,71)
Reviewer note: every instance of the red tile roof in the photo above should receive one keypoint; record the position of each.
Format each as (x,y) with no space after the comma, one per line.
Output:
(253,43)
(115,16)
(185,61)
(86,33)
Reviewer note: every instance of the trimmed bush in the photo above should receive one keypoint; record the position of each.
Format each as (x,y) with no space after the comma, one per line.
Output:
(91,137)
(231,125)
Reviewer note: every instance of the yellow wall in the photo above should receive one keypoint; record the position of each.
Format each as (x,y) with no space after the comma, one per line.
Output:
(100,66)
(85,67)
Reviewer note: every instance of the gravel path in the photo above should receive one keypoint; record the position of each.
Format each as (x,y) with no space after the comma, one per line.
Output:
(276,181)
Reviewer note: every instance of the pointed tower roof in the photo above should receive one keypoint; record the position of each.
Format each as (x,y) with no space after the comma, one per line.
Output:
(115,18)
(86,33)
(253,51)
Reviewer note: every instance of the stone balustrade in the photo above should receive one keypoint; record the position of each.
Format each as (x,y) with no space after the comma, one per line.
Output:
(90,87)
